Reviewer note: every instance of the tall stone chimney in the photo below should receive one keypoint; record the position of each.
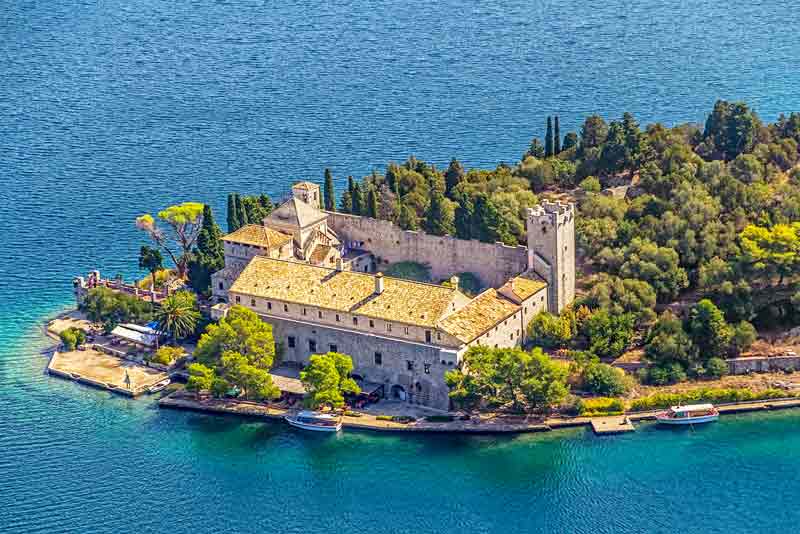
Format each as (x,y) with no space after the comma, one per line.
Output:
(379,287)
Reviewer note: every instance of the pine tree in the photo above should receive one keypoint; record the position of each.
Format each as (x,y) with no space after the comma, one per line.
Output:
(408,219)
(438,220)
(463,218)
(330,195)
(557,138)
(548,139)
(233,213)
(372,203)
(453,176)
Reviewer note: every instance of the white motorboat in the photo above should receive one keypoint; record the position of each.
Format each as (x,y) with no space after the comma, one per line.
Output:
(158,386)
(316,421)
(691,414)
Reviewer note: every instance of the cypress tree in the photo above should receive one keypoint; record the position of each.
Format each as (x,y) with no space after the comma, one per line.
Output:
(463,218)
(548,139)
(359,203)
(372,203)
(557,138)
(241,209)
(208,256)
(351,185)
(233,212)
(330,195)
(347,202)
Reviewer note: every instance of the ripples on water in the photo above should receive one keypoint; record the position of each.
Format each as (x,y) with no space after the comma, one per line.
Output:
(110,109)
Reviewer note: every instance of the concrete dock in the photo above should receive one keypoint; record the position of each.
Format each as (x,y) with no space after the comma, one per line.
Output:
(100,370)
(604,426)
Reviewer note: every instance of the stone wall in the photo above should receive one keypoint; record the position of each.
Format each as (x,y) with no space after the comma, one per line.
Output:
(493,263)
(422,384)
(763,364)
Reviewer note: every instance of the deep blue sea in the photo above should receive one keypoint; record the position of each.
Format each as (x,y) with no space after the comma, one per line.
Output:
(109,109)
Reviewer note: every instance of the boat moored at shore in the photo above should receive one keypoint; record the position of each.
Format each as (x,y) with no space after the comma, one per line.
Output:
(688,415)
(318,422)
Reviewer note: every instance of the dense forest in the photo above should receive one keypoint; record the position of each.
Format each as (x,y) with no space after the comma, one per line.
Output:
(668,216)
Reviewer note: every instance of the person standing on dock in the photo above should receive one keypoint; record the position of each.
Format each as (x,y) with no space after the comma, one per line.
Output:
(127,379)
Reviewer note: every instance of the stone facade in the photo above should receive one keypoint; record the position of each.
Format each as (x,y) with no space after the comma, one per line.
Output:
(493,263)
(409,359)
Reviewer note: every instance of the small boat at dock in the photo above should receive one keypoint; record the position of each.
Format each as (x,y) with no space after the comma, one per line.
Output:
(158,386)
(691,414)
(319,422)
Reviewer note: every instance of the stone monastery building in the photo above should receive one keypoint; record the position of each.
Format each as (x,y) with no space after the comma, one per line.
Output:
(315,276)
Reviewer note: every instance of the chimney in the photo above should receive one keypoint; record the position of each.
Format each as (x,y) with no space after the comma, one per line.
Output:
(339,264)
(454,281)
(379,283)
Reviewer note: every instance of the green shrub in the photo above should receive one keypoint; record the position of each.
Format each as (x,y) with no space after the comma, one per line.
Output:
(572,405)
(439,418)
(663,375)
(405,419)
(712,395)
(602,406)
(590,184)
(716,368)
(72,337)
(166,355)
(351,413)
(603,379)
(384,417)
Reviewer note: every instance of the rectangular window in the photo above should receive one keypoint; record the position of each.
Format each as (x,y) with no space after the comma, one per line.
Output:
(388,327)
(286,308)
(333,348)
(319,314)
(371,323)
(238,299)
(406,330)
(312,345)
(304,311)
(291,342)
(355,321)
(427,336)
(378,358)
(253,302)
(427,367)
(338,319)
(410,365)
(221,286)
(439,335)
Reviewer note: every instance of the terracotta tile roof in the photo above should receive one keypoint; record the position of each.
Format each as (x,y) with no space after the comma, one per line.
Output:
(402,301)
(482,313)
(525,286)
(295,212)
(260,236)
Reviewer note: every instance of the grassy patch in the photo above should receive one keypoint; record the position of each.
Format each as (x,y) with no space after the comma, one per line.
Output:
(409,270)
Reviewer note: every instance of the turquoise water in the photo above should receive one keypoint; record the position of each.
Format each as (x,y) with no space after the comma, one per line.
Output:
(109,109)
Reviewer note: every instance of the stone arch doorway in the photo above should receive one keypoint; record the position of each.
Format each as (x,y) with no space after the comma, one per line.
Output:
(398,392)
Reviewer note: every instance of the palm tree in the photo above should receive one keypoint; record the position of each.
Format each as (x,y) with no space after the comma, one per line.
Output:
(178,315)
(151,259)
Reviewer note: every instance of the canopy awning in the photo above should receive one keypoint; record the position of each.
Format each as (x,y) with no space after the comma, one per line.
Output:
(134,336)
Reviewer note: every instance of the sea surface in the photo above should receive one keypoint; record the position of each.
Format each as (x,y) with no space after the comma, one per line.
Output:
(109,109)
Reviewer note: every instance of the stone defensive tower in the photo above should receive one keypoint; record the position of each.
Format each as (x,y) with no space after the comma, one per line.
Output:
(551,250)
